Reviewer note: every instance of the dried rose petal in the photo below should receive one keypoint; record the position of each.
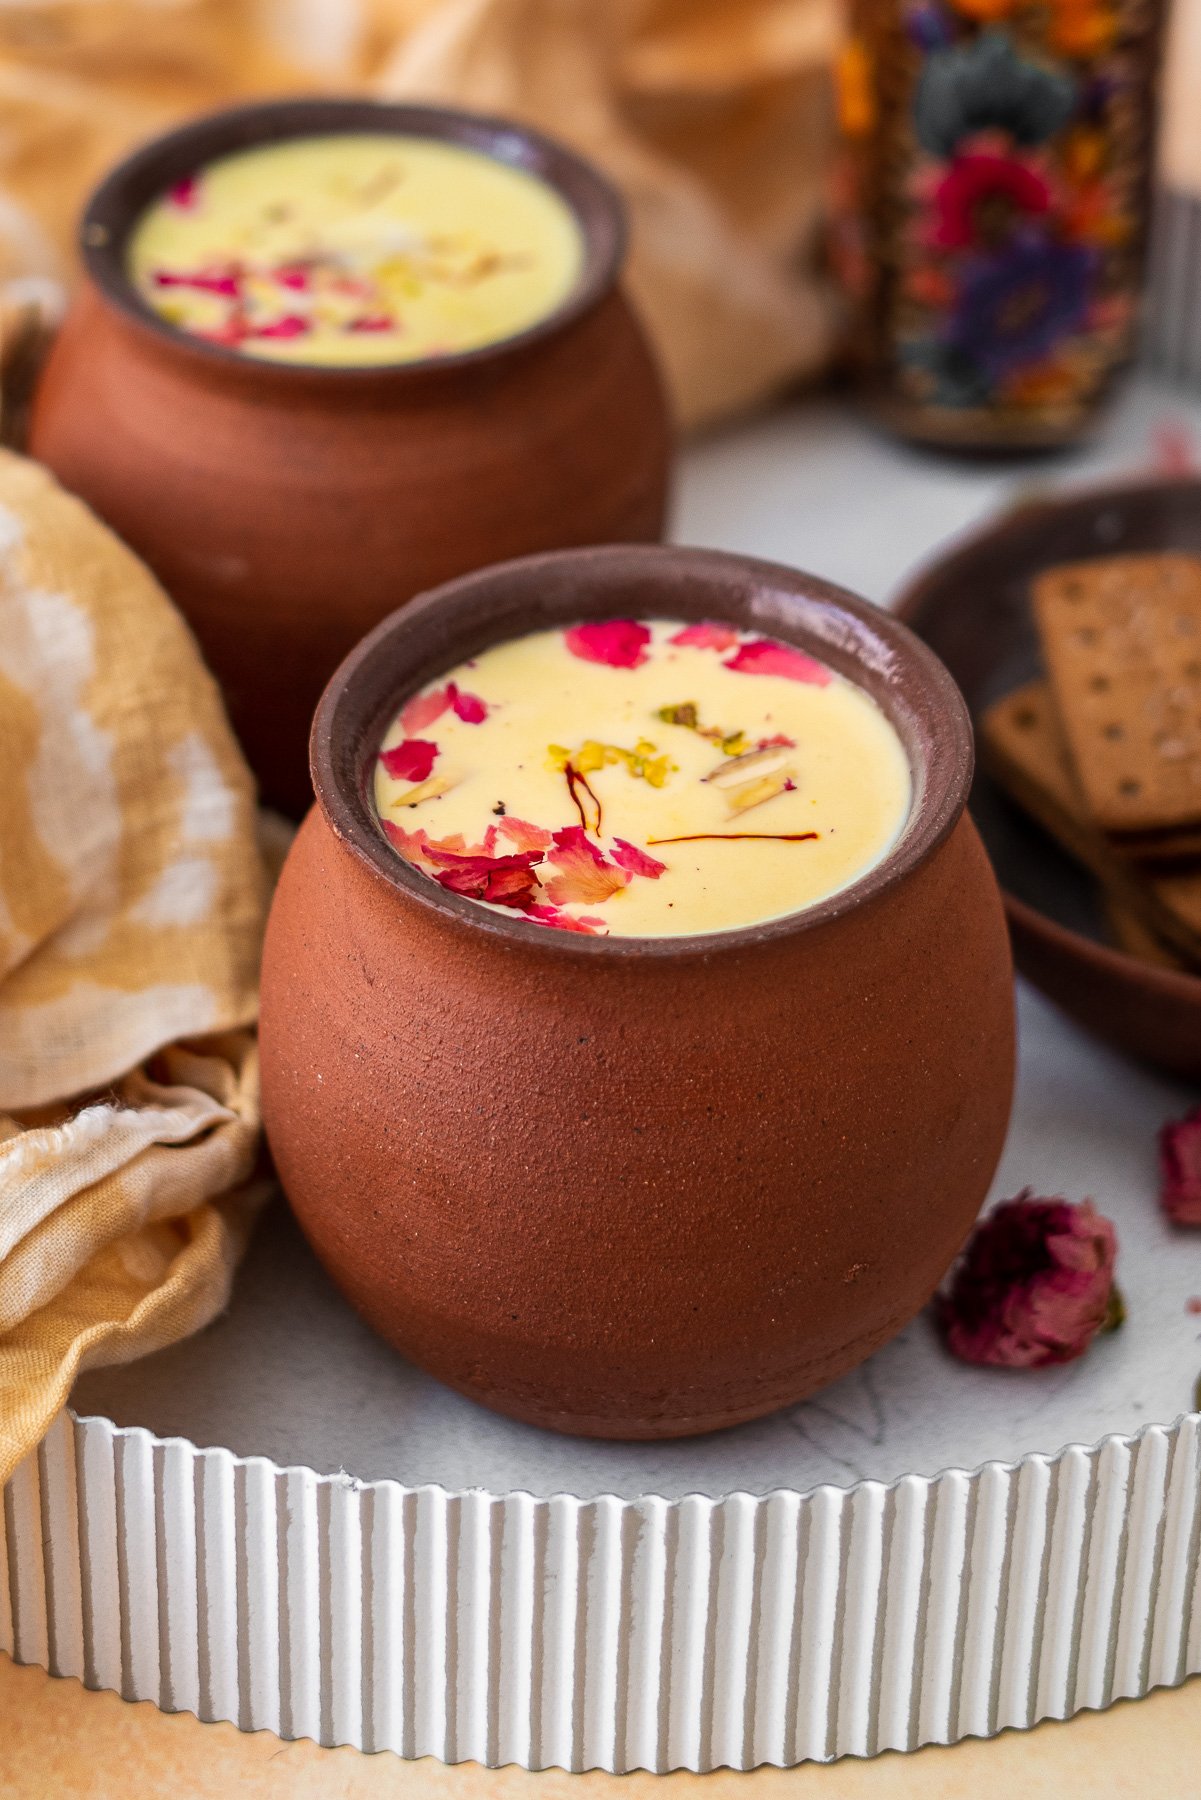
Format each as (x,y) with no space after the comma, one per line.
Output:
(629,856)
(1180,1169)
(372,322)
(561,921)
(504,880)
(235,330)
(420,848)
(764,656)
(411,844)
(706,635)
(458,845)
(185,193)
(619,643)
(1174,448)
(443,853)
(206,281)
(410,760)
(1035,1285)
(781,741)
(293,275)
(468,707)
(582,873)
(423,709)
(525,835)
(290,326)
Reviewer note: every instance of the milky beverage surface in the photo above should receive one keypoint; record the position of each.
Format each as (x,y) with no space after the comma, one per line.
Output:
(357,248)
(642,779)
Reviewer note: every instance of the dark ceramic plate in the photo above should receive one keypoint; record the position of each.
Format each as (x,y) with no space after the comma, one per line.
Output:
(972,606)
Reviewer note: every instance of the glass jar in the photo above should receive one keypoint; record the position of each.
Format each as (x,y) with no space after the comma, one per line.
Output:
(991,207)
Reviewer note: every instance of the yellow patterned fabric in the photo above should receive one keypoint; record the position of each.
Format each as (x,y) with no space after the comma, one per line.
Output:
(713,116)
(132,899)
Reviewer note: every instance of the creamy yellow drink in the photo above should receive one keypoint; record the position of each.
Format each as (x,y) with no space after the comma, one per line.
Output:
(356,248)
(643,779)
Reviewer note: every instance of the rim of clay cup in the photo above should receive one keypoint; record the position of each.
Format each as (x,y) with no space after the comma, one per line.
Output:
(444,627)
(148,172)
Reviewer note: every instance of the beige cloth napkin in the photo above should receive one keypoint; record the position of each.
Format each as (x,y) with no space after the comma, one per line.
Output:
(132,898)
(713,116)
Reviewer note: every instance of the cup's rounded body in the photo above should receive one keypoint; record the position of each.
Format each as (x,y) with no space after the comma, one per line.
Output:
(990,212)
(287,509)
(635,1187)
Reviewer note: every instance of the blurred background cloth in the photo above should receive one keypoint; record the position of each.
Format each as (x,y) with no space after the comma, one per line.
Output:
(132,899)
(713,116)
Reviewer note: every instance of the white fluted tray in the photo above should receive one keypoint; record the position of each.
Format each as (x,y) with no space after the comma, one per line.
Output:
(283,1524)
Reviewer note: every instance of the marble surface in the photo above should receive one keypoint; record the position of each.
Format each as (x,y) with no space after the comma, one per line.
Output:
(290,1373)
(815,486)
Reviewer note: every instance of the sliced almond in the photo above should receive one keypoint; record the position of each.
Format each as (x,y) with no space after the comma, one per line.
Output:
(428,790)
(754,793)
(737,769)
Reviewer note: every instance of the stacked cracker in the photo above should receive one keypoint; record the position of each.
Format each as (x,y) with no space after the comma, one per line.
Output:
(1105,751)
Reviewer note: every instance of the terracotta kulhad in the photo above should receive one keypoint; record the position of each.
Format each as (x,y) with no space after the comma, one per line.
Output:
(637,1187)
(288,508)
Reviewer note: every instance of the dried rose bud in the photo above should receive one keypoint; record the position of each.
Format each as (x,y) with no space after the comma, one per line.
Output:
(1035,1285)
(1180,1169)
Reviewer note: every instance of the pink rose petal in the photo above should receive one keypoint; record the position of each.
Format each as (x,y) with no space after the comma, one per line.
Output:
(185,193)
(525,835)
(205,281)
(419,848)
(1035,1285)
(706,635)
(561,921)
(412,845)
(764,656)
(1180,1169)
(504,880)
(410,760)
(372,322)
(423,709)
(629,856)
(292,325)
(468,707)
(618,643)
(1174,449)
(781,741)
(582,873)
(235,331)
(293,275)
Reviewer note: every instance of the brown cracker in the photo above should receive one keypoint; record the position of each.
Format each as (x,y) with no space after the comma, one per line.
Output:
(1122,641)
(1023,745)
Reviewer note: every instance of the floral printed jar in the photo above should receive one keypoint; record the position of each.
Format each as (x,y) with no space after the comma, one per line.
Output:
(990,209)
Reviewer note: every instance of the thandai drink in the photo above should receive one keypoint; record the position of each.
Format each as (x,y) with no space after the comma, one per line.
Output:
(643,779)
(356,248)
